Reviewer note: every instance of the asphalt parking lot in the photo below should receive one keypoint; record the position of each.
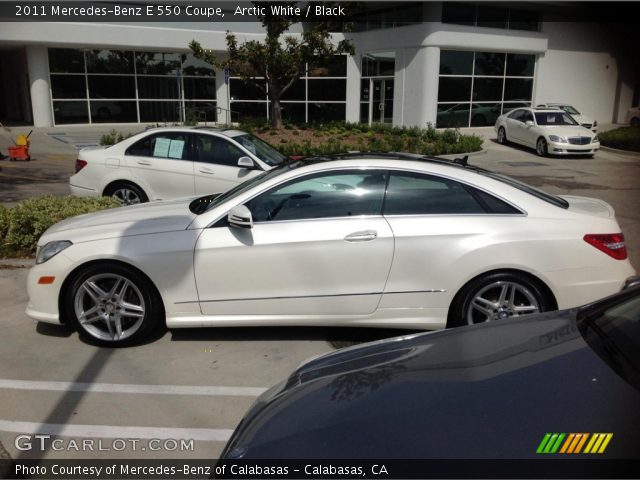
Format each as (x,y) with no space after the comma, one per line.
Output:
(197,384)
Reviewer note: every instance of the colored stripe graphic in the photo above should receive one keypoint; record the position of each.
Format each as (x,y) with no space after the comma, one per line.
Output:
(574,443)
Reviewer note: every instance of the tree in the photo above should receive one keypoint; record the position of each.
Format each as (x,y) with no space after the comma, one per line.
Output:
(280,58)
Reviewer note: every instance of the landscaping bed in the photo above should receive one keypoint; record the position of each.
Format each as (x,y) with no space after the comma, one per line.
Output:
(625,138)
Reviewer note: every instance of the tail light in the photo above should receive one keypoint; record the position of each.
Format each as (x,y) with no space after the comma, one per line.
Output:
(80,164)
(610,243)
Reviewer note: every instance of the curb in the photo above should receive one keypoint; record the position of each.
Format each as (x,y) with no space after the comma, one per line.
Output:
(617,150)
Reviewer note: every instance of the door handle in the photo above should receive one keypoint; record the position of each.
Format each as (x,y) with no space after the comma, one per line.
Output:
(144,162)
(363,236)
(207,171)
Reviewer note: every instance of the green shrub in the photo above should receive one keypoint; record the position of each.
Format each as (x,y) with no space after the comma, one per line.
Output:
(22,225)
(625,138)
(112,138)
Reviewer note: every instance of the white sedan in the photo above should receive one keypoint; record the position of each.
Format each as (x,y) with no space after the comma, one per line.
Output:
(549,131)
(359,240)
(583,120)
(164,163)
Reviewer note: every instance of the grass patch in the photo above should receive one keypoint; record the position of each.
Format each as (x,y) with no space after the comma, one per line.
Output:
(625,138)
(21,226)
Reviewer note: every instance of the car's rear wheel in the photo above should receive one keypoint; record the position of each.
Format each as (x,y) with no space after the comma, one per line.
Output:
(502,136)
(113,305)
(126,193)
(541,147)
(498,296)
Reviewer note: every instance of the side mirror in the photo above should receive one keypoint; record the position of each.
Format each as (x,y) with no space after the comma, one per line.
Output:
(529,123)
(246,162)
(240,217)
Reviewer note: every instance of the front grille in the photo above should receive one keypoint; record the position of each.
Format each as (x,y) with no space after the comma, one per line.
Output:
(586,125)
(579,140)
(579,151)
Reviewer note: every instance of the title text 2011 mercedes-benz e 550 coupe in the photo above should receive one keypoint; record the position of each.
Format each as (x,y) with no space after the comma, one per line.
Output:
(359,239)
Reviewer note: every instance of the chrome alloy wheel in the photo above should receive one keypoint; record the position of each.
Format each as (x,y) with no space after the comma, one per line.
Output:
(541,147)
(126,196)
(501,136)
(109,307)
(500,300)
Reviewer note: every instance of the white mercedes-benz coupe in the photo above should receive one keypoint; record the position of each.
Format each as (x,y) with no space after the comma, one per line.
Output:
(371,240)
(550,131)
(174,162)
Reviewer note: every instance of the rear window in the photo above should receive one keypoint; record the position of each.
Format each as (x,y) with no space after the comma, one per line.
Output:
(536,192)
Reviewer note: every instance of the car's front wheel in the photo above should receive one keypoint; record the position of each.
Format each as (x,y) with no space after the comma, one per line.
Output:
(541,147)
(498,296)
(502,136)
(113,305)
(126,193)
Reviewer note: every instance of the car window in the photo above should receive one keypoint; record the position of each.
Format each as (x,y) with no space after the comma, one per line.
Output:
(322,195)
(216,150)
(411,193)
(569,109)
(527,116)
(173,145)
(517,115)
(261,149)
(554,118)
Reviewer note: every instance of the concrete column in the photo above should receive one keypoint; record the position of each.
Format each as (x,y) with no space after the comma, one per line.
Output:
(430,84)
(353,88)
(222,97)
(38,68)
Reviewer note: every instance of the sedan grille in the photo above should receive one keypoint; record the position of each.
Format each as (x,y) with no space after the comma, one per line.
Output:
(579,140)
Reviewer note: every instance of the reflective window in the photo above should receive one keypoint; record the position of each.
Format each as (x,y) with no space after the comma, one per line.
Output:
(68,86)
(454,89)
(70,112)
(216,150)
(111,86)
(456,63)
(489,16)
(157,63)
(159,111)
(252,90)
(336,67)
(241,111)
(417,194)
(199,88)
(297,91)
(520,65)
(66,60)
(109,61)
(453,115)
(487,89)
(157,87)
(203,111)
(517,115)
(518,89)
(330,89)
(327,112)
(323,195)
(113,111)
(492,17)
(489,63)
(192,66)
(294,112)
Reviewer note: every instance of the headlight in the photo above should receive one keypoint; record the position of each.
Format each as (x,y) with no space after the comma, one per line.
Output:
(595,139)
(555,138)
(51,249)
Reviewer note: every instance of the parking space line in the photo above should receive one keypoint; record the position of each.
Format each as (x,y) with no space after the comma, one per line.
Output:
(214,391)
(111,431)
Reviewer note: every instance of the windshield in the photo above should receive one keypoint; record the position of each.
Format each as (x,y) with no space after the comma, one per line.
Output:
(261,149)
(613,331)
(554,119)
(570,109)
(244,186)
(536,192)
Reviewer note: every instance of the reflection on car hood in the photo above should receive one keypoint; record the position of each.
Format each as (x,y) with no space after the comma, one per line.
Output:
(486,391)
(142,219)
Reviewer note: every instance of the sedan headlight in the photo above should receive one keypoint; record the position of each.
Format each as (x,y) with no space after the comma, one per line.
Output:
(557,139)
(595,139)
(51,249)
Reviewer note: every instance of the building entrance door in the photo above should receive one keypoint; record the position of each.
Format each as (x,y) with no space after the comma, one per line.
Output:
(381,100)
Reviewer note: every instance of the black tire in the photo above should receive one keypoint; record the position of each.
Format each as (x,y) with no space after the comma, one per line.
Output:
(461,312)
(502,136)
(117,190)
(96,332)
(541,147)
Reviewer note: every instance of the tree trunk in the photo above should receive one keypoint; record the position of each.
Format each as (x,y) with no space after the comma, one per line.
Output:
(275,110)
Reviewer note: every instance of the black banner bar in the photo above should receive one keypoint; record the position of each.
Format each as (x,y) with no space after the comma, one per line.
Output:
(319,469)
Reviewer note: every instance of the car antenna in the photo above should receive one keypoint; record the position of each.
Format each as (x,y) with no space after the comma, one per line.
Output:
(464,161)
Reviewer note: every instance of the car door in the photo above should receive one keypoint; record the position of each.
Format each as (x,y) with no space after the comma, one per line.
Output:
(529,132)
(439,225)
(514,126)
(319,247)
(162,162)
(216,164)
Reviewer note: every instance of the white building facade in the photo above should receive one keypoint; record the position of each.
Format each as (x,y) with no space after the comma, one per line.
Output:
(446,64)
